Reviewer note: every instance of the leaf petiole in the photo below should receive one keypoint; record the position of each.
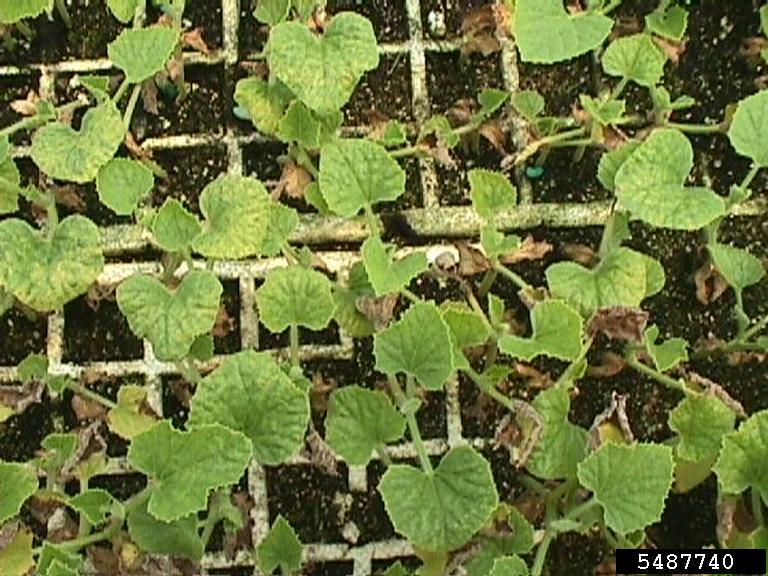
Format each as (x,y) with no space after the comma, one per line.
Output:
(410,419)
(652,373)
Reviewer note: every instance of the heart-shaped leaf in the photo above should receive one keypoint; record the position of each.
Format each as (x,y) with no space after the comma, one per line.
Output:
(635,58)
(359,421)
(237,213)
(747,131)
(76,156)
(96,504)
(557,333)
(202,460)
(666,355)
(19,482)
(12,11)
(142,52)
(630,482)
(356,174)
(739,268)
(419,345)
(46,272)
(295,296)
(121,183)
(127,419)
(701,422)
(174,228)
(385,274)
(441,511)
(547,33)
(743,461)
(281,548)
(651,185)
(323,70)
(178,538)
(265,102)
(123,10)
(669,22)
(248,384)
(170,320)
(491,192)
(16,558)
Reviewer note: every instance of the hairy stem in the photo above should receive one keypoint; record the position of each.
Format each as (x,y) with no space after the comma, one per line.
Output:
(534,147)
(81,390)
(695,128)
(294,334)
(410,420)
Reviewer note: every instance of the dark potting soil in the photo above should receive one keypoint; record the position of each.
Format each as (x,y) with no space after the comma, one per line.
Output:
(451,11)
(452,77)
(453,182)
(575,554)
(567,178)
(389,17)
(329,569)
(93,27)
(21,336)
(20,435)
(189,171)
(227,340)
(98,331)
(383,92)
(14,88)
(202,110)
(252,34)
(175,405)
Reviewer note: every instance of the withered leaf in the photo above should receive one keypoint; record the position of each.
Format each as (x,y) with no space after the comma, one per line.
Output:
(321,455)
(619,323)
(293,182)
(471,260)
(611,364)
(378,310)
(616,414)
(19,398)
(26,106)
(580,253)
(493,132)
(86,409)
(529,249)
(194,39)
(710,285)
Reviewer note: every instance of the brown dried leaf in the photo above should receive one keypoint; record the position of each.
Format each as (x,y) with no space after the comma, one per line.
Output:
(149,97)
(69,196)
(485,44)
(86,409)
(471,260)
(619,323)
(61,526)
(378,310)
(321,391)
(441,155)
(478,20)
(528,250)
(535,379)
(19,398)
(240,539)
(739,358)
(27,106)
(714,389)
(509,433)
(615,414)
(580,253)
(493,132)
(293,182)
(611,365)
(42,507)
(224,324)
(710,285)
(194,39)
(8,532)
(90,444)
(98,293)
(105,560)
(674,50)
(321,455)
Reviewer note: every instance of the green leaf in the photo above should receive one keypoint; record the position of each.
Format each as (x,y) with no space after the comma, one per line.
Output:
(514,535)
(743,461)
(95,504)
(295,296)
(323,70)
(419,345)
(143,52)
(174,228)
(178,538)
(604,110)
(237,210)
(57,561)
(57,449)
(623,278)
(127,420)
(122,183)
(359,421)
(385,274)
(307,127)
(739,268)
(764,19)
(562,445)
(651,185)
(201,460)
(669,23)
(701,422)
(491,100)
(47,271)
(496,244)
(282,221)
(442,510)
(265,102)
(668,354)
(528,103)
(557,333)
(635,58)
(468,328)
(272,12)
(123,10)
(12,11)
(397,569)
(356,174)
(351,320)
(19,482)
(491,192)
(509,566)
(9,179)
(631,483)
(611,161)
(281,548)
(76,156)
(248,384)
(392,135)
(170,319)
(16,558)
(547,33)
